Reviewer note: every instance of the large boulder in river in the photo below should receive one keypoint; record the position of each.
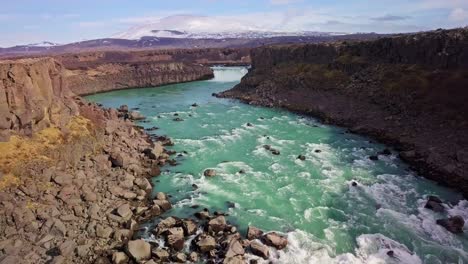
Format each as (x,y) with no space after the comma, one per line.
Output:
(133,115)
(259,250)
(275,240)
(253,233)
(454,224)
(435,204)
(139,249)
(175,238)
(206,243)
(217,224)
(209,173)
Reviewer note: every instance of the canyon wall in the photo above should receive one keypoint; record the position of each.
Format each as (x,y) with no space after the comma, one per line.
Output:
(101,71)
(116,76)
(409,91)
(33,95)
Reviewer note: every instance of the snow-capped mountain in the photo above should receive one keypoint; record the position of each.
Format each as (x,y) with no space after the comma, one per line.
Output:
(198,27)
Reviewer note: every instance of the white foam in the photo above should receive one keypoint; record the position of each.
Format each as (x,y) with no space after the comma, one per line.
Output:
(372,249)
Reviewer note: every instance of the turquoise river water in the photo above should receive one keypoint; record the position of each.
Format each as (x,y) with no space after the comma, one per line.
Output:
(313,202)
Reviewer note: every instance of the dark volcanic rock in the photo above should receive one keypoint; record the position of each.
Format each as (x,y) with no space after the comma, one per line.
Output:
(453,224)
(404,90)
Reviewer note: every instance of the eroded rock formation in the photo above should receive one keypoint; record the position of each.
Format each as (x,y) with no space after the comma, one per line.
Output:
(33,95)
(116,76)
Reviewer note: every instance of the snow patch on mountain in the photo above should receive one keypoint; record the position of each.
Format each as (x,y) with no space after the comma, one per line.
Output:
(43,44)
(190,26)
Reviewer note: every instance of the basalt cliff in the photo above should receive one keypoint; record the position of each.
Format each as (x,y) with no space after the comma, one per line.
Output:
(409,91)
(102,71)
(33,96)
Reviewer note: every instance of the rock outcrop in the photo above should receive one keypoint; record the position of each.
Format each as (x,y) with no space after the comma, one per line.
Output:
(117,76)
(33,96)
(408,91)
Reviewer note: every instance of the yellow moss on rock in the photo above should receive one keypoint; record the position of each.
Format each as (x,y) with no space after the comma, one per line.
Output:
(8,180)
(19,150)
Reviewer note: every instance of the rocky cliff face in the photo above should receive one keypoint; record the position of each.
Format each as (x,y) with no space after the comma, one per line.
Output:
(33,95)
(409,90)
(116,76)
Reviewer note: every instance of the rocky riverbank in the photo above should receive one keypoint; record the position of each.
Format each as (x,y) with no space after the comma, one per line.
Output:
(408,91)
(75,183)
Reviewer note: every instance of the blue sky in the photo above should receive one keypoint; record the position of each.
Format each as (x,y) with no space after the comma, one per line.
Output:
(62,21)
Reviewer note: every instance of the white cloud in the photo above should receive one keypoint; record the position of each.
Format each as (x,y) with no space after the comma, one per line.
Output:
(459,14)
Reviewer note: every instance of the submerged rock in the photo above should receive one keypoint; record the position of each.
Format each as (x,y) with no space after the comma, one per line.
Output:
(209,173)
(454,224)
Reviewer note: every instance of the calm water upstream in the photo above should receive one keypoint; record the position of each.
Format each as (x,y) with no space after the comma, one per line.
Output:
(326,219)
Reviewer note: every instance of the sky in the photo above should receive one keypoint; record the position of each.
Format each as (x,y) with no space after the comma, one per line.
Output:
(65,21)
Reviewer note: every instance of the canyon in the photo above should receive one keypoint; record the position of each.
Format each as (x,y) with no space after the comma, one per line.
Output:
(76,178)
(408,91)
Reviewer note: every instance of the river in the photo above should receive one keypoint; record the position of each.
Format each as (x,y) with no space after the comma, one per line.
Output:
(312,201)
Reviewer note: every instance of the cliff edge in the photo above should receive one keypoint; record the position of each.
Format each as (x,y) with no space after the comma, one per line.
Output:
(33,95)
(409,91)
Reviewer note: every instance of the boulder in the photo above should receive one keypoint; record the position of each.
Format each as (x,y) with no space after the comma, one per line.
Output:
(161,196)
(234,260)
(253,233)
(275,240)
(175,238)
(117,160)
(104,231)
(67,248)
(275,152)
(161,254)
(123,108)
(206,243)
(259,250)
(124,211)
(189,226)
(301,157)
(235,248)
(180,258)
(217,224)
(122,235)
(134,115)
(454,224)
(193,257)
(154,171)
(62,178)
(205,214)
(143,184)
(209,173)
(167,223)
(119,258)
(434,206)
(163,204)
(139,249)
